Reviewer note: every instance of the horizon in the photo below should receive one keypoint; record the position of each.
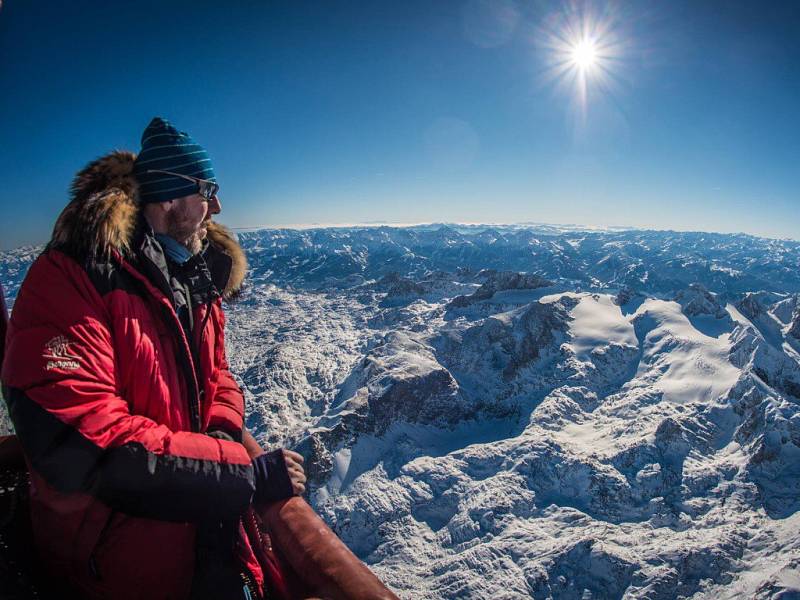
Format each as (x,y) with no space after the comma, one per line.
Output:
(577,227)
(644,116)
(566,227)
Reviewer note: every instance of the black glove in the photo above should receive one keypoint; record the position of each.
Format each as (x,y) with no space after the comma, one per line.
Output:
(272,477)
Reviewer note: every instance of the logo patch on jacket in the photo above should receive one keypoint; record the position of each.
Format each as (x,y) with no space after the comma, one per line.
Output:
(58,355)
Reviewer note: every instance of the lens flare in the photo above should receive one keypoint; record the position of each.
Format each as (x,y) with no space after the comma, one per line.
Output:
(583,52)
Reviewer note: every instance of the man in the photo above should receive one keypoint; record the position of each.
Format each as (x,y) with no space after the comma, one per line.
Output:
(118,386)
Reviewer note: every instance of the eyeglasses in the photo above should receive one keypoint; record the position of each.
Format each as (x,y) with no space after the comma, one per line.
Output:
(207,189)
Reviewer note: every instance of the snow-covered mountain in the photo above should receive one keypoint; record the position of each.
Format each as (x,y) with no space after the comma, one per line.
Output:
(650,261)
(514,412)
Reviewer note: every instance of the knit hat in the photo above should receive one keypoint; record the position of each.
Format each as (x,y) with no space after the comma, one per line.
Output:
(164,148)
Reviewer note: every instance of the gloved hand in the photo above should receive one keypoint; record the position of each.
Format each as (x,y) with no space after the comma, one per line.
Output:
(279,474)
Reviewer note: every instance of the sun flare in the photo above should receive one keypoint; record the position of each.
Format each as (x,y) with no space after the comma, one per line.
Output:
(584,54)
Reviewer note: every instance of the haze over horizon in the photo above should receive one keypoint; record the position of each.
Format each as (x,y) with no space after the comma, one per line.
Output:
(642,115)
(565,226)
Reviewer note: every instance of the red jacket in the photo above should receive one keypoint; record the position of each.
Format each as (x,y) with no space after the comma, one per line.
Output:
(111,401)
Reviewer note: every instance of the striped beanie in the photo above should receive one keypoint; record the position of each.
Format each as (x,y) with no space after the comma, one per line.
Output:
(164,148)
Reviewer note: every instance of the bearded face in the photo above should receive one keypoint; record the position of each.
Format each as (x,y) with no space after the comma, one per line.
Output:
(186,222)
(184,219)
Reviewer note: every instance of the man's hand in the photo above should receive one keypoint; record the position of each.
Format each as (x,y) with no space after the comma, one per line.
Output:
(294,464)
(293,460)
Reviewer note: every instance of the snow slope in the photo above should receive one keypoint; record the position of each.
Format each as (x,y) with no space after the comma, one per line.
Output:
(514,412)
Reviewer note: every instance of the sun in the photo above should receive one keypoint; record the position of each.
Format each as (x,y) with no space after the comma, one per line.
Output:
(584,54)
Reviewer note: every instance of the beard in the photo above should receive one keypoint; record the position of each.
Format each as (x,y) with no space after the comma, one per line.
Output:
(181,227)
(195,243)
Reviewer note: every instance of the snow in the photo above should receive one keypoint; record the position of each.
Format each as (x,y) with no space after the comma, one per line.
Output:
(689,364)
(535,443)
(598,321)
(341,464)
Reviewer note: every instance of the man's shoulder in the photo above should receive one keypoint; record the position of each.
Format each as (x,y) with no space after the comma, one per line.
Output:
(51,265)
(53,289)
(56,269)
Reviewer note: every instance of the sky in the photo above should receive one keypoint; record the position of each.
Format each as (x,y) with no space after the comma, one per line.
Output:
(668,115)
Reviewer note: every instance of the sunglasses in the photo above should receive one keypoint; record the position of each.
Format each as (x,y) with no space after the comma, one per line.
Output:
(207,189)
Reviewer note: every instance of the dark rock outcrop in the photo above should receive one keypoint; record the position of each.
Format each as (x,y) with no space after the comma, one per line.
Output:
(497,282)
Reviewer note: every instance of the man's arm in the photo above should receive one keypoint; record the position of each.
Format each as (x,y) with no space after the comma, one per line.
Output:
(226,415)
(78,432)
(226,410)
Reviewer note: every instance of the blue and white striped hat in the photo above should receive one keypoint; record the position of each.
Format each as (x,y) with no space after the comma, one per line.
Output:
(164,148)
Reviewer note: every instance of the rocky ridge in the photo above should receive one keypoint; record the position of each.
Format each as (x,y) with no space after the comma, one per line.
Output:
(616,414)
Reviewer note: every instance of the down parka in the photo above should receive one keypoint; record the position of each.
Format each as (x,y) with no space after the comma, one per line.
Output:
(112,402)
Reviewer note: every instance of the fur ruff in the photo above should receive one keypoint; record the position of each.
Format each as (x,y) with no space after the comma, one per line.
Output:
(102,214)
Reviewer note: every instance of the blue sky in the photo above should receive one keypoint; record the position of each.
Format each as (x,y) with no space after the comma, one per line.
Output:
(341,112)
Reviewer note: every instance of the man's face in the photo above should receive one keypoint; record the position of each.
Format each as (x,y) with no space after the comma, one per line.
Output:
(187,220)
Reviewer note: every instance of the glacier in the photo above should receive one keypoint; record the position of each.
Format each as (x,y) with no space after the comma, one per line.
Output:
(533,411)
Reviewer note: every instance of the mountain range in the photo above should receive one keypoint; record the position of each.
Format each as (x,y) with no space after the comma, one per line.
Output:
(533,411)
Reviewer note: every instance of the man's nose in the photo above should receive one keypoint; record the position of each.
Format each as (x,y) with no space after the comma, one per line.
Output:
(214,205)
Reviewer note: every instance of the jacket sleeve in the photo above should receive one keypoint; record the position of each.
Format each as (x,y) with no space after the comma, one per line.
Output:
(226,410)
(78,432)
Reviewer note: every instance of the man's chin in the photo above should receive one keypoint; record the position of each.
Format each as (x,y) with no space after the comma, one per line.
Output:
(195,243)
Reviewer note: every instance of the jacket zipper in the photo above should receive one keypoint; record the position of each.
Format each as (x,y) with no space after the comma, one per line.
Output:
(205,321)
(190,369)
(201,333)
(187,365)
(249,584)
(184,350)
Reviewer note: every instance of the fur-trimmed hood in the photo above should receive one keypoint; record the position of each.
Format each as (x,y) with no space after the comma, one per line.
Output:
(102,217)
